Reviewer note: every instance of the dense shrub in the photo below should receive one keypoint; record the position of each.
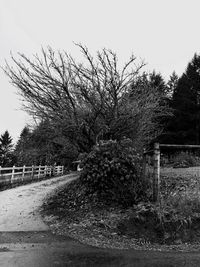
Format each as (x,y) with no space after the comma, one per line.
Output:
(112,171)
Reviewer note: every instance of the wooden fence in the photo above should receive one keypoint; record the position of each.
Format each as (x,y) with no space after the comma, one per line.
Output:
(10,175)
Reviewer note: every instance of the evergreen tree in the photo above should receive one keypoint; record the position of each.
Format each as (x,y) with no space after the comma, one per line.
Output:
(44,145)
(156,80)
(151,84)
(23,147)
(168,135)
(172,84)
(6,156)
(184,128)
(51,145)
(153,80)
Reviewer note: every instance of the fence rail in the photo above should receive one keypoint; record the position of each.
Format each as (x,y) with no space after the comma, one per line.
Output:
(10,175)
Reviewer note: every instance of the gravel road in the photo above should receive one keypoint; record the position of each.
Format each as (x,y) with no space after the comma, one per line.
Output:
(18,206)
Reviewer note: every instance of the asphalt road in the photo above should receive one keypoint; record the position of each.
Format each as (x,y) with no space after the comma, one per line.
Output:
(42,249)
(25,241)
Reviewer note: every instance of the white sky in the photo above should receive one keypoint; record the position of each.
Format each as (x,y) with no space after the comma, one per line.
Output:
(165,33)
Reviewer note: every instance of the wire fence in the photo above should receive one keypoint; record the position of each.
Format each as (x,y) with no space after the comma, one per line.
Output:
(170,160)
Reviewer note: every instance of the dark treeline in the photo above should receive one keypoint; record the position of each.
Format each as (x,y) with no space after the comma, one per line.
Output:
(42,145)
(184,126)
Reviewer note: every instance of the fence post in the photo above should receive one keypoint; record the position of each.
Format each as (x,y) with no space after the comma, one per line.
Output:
(62,170)
(55,170)
(23,173)
(45,170)
(156,173)
(39,171)
(13,174)
(50,170)
(32,172)
(144,169)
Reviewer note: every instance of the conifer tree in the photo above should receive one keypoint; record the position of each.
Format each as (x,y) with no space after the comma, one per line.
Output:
(185,126)
(6,156)
(44,145)
(156,80)
(22,146)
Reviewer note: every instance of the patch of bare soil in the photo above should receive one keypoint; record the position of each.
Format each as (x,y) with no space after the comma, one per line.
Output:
(70,212)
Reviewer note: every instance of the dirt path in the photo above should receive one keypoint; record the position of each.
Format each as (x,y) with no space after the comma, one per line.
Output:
(26,241)
(18,206)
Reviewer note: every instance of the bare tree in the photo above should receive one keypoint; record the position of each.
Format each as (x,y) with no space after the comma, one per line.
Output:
(88,101)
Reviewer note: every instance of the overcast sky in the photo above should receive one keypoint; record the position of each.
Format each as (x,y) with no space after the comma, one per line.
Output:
(165,33)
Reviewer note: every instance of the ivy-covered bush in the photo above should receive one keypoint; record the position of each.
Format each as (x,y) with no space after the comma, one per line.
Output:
(112,171)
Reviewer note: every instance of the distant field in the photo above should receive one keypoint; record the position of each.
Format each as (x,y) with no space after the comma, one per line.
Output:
(192,171)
